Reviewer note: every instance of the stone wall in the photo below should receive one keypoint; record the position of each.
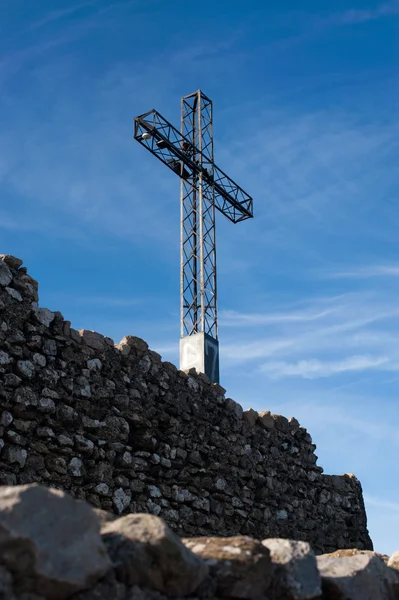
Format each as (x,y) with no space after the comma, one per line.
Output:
(115,425)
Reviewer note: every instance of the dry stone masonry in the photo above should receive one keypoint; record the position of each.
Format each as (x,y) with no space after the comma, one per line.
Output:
(116,426)
(53,547)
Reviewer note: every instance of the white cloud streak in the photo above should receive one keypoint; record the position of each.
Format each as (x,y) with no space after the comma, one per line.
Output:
(57,15)
(102,301)
(348,333)
(253,350)
(352,414)
(381,503)
(356,16)
(314,368)
(236,319)
(365,272)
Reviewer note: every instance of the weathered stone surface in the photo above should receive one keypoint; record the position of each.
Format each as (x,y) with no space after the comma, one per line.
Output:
(44,316)
(104,517)
(135,342)
(250,416)
(146,552)
(16,455)
(107,588)
(92,339)
(50,541)
(121,500)
(240,567)
(6,584)
(14,294)
(295,570)
(354,551)
(11,261)
(281,423)
(393,561)
(266,419)
(5,274)
(5,359)
(362,576)
(26,368)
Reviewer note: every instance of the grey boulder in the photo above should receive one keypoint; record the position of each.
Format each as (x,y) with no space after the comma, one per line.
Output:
(49,541)
(361,576)
(295,569)
(145,551)
(240,567)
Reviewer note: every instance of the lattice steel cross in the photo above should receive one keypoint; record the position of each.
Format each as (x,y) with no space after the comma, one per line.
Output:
(203,187)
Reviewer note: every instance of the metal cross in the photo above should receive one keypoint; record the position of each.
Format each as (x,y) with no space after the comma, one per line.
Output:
(203,187)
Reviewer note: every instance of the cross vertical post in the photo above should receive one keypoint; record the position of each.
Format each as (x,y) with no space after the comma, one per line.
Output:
(198,295)
(203,187)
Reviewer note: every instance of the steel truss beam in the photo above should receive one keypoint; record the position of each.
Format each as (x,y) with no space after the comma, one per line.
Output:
(230,198)
(198,307)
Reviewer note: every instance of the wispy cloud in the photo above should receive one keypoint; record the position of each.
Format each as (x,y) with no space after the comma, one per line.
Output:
(358,15)
(57,15)
(313,27)
(381,503)
(365,272)
(314,368)
(101,301)
(235,319)
(325,337)
(38,221)
(321,171)
(114,302)
(260,349)
(168,349)
(87,17)
(350,413)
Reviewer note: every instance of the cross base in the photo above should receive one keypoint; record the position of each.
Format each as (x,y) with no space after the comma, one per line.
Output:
(200,351)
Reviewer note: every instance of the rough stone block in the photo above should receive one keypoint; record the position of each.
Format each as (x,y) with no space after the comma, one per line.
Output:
(92,339)
(239,566)
(146,552)
(11,261)
(295,569)
(5,274)
(41,540)
(266,420)
(393,561)
(44,316)
(250,416)
(363,576)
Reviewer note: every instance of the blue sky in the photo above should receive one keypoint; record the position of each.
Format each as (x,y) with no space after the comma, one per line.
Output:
(305,120)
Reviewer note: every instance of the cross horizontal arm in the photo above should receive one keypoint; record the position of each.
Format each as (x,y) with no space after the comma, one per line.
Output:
(177,153)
